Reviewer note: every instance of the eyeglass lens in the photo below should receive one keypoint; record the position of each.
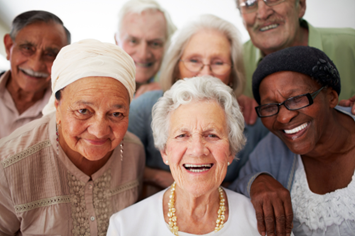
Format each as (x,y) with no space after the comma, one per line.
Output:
(248,6)
(218,68)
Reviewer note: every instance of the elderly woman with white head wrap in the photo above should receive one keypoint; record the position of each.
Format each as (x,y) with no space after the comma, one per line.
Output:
(68,172)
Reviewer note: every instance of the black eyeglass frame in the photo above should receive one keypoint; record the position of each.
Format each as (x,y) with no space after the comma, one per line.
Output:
(210,66)
(310,97)
(243,4)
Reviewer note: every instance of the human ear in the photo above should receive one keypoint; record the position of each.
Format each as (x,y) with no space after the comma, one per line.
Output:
(332,97)
(164,156)
(301,8)
(8,45)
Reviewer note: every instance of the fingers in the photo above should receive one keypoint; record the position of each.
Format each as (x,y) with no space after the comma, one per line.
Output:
(259,217)
(353,108)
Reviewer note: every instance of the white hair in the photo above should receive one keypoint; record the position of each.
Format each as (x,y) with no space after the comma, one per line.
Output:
(139,6)
(170,62)
(198,89)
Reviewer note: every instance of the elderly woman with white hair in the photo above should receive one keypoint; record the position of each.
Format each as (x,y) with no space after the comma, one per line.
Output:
(198,128)
(207,45)
(68,172)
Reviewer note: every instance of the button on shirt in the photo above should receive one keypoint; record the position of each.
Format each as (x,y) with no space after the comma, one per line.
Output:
(10,119)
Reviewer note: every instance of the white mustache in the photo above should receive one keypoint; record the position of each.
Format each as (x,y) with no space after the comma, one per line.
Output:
(34,73)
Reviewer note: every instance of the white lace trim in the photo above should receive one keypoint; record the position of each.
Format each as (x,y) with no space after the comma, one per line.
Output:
(321,211)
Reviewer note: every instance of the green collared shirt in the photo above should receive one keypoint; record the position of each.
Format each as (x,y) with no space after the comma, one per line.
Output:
(337,43)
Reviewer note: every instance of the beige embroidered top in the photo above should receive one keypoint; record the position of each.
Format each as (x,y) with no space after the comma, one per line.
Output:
(43,194)
(9,116)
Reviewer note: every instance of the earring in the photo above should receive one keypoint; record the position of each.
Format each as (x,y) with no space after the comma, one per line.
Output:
(121,145)
(167,162)
(57,138)
(228,163)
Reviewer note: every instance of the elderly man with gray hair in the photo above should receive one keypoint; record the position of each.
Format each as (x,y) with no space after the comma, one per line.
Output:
(31,47)
(144,32)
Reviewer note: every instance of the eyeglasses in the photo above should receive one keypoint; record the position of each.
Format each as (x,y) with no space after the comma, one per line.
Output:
(196,65)
(292,104)
(249,6)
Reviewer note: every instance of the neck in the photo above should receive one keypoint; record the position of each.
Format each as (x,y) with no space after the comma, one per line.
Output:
(23,99)
(195,214)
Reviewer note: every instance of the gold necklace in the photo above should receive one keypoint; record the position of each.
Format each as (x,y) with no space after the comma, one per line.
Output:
(173,219)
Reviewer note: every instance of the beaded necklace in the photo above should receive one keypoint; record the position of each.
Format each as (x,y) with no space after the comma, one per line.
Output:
(173,219)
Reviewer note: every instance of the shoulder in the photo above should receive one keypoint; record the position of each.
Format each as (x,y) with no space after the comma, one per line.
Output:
(241,213)
(147,212)
(26,140)
(345,110)
(271,144)
(132,140)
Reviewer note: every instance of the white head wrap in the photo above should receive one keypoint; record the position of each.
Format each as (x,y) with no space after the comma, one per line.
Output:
(91,58)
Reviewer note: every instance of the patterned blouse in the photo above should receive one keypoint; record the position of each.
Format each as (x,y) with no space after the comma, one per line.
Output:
(42,193)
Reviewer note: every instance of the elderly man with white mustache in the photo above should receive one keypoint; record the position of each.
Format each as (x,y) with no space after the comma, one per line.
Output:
(31,47)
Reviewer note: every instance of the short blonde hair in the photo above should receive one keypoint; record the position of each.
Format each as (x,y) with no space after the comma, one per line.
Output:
(181,38)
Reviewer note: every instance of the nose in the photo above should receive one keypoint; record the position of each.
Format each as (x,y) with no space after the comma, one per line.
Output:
(143,52)
(100,127)
(197,147)
(285,116)
(37,64)
(264,11)
(206,70)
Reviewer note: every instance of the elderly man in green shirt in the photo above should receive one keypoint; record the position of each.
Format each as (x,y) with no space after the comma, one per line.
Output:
(276,24)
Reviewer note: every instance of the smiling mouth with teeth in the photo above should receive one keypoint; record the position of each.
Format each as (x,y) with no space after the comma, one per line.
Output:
(149,64)
(297,129)
(273,26)
(197,168)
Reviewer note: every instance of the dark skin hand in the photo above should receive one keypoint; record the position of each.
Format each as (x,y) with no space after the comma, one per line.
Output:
(273,208)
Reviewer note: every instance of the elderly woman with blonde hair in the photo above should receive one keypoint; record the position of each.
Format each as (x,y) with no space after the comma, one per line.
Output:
(207,45)
(198,128)
(68,172)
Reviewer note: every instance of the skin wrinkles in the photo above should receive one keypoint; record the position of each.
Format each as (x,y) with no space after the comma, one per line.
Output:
(143,37)
(216,48)
(283,19)
(34,49)
(198,134)
(93,118)
(282,85)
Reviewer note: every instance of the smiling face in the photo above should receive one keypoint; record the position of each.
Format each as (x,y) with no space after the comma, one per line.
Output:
(93,117)
(197,148)
(210,47)
(143,37)
(277,27)
(32,53)
(304,129)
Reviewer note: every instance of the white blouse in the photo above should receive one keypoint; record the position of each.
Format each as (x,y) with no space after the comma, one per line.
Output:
(330,214)
(147,218)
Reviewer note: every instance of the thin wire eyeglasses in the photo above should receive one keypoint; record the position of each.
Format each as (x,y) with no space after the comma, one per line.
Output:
(291,104)
(249,6)
(196,66)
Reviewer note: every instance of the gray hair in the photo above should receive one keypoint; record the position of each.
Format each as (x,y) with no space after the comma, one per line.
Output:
(30,17)
(169,66)
(139,6)
(198,89)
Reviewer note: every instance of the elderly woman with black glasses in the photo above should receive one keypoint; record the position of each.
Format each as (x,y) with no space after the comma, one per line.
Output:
(307,160)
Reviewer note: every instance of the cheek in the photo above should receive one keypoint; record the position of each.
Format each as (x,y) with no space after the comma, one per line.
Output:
(128,49)
(158,54)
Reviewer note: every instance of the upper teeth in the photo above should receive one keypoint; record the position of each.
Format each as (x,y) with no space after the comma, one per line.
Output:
(297,129)
(34,73)
(191,165)
(269,27)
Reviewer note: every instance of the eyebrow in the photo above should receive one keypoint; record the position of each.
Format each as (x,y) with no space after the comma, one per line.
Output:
(81,102)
